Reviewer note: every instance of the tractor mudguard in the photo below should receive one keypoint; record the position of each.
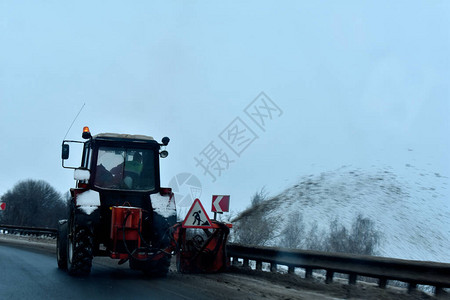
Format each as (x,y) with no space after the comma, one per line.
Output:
(164,216)
(81,218)
(160,230)
(85,207)
(163,203)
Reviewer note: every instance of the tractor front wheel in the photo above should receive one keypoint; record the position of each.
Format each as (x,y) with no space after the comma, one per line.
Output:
(79,252)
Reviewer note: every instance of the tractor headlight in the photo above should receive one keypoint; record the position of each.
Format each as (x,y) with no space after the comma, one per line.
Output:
(163,154)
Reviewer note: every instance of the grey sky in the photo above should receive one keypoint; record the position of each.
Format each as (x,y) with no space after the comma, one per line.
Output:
(359,83)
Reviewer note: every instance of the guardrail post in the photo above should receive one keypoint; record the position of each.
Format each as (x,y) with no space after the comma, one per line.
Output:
(258,265)
(352,278)
(412,287)
(308,273)
(291,270)
(382,282)
(235,261)
(273,267)
(246,263)
(438,290)
(329,276)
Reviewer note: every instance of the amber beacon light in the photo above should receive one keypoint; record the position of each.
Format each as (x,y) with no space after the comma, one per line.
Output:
(86,133)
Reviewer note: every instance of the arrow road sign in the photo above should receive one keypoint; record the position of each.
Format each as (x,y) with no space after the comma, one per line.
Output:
(220,203)
(197,217)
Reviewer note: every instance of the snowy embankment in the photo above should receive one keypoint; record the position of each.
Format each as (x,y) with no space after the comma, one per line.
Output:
(411,211)
(37,242)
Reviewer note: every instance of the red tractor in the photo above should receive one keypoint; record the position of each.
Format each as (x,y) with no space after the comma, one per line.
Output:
(118,208)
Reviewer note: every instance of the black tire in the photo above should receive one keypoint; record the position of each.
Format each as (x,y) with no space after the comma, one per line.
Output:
(79,252)
(61,245)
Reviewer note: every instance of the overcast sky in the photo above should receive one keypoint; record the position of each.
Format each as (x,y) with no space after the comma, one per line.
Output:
(344,83)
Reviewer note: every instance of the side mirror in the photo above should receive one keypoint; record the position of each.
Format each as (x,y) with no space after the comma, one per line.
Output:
(165,141)
(65,151)
(81,174)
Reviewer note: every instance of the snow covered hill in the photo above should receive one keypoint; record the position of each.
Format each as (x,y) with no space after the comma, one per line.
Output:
(411,210)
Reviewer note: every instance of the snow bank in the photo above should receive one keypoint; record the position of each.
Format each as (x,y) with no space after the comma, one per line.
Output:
(411,212)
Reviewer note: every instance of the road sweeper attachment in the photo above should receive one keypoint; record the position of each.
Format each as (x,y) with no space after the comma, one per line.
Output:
(198,242)
(205,251)
(197,250)
(201,243)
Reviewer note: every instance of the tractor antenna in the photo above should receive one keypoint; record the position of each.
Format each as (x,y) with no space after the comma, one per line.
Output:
(74,120)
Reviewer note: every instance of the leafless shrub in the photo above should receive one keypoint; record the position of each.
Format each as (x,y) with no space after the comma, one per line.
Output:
(256,229)
(338,238)
(293,234)
(314,240)
(362,238)
(259,196)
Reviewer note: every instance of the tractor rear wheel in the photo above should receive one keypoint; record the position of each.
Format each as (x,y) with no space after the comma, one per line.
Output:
(61,245)
(79,252)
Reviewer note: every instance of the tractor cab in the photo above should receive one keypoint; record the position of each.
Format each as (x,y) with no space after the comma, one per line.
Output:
(120,162)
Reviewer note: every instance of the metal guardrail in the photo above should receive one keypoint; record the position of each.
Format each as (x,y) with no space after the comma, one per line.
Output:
(384,269)
(24,230)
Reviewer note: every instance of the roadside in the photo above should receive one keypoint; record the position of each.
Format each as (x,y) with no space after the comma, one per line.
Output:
(45,244)
(239,283)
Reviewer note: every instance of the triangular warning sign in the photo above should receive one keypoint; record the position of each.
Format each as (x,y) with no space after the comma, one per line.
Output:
(197,217)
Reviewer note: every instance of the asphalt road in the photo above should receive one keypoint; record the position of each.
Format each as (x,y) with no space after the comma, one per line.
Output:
(30,272)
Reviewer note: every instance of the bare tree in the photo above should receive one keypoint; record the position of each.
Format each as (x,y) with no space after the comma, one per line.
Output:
(314,240)
(255,229)
(33,203)
(255,226)
(363,238)
(294,232)
(259,196)
(338,238)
